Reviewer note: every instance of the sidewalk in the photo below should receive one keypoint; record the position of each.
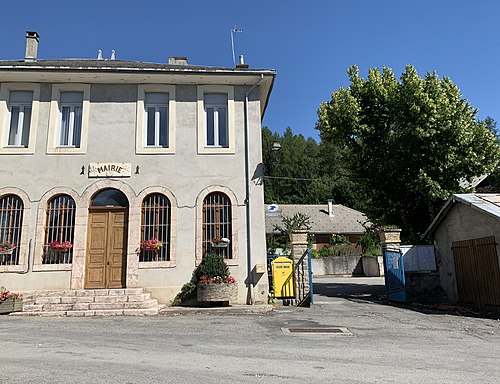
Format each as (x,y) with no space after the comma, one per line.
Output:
(260,309)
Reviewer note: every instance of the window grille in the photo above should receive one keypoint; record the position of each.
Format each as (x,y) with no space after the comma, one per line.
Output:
(59,226)
(155,224)
(11,220)
(217,223)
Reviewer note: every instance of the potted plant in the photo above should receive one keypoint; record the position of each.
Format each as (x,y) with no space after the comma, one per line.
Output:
(56,246)
(213,281)
(10,301)
(152,244)
(6,248)
(220,242)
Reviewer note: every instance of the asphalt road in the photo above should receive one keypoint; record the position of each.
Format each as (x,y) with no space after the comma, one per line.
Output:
(384,344)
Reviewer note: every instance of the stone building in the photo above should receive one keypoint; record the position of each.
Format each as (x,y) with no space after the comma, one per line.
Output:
(107,154)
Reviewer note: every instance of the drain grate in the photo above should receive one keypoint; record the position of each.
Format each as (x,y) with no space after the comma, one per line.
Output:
(318,330)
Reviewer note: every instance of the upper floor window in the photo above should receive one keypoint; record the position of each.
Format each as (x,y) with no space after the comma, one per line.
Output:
(69,119)
(155,224)
(11,219)
(20,118)
(216,125)
(156,119)
(216,122)
(71,107)
(19,106)
(59,229)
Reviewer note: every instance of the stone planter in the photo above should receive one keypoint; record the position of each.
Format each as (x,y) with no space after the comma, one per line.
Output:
(9,306)
(217,293)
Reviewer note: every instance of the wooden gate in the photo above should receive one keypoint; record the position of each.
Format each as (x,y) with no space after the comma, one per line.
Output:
(106,249)
(477,272)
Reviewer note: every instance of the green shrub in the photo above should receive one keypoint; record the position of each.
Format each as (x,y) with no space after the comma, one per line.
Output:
(212,265)
(188,292)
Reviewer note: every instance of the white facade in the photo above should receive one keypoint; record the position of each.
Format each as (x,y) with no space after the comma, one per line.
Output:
(140,130)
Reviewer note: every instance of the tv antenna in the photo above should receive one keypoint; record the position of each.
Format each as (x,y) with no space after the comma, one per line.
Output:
(233,31)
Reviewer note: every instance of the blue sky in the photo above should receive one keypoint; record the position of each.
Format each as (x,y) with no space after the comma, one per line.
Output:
(309,43)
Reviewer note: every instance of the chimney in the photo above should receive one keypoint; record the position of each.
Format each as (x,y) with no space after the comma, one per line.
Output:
(178,60)
(330,208)
(242,64)
(113,55)
(99,54)
(32,39)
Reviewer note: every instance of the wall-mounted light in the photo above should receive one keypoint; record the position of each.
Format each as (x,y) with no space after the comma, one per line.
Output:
(137,170)
(276,146)
(82,172)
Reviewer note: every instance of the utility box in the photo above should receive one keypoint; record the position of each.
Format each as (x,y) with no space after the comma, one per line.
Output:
(282,270)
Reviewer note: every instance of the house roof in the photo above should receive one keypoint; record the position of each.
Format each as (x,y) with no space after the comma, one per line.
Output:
(488,203)
(121,71)
(118,65)
(344,221)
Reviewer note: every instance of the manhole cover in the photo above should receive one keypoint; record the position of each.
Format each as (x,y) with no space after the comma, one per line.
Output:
(318,330)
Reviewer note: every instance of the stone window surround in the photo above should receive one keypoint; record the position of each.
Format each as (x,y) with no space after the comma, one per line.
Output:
(140,148)
(234,224)
(25,244)
(4,114)
(173,227)
(55,118)
(202,148)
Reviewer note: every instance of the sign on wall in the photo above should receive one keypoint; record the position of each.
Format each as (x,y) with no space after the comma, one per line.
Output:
(110,169)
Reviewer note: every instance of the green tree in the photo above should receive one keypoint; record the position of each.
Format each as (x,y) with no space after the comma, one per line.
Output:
(303,172)
(408,143)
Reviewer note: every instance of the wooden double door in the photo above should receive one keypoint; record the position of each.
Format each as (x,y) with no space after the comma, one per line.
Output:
(106,260)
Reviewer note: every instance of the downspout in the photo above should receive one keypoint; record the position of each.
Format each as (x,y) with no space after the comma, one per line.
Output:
(250,282)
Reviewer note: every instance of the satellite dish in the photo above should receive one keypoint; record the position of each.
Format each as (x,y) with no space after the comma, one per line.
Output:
(272,208)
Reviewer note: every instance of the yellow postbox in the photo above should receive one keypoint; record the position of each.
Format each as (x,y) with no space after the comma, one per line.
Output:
(282,269)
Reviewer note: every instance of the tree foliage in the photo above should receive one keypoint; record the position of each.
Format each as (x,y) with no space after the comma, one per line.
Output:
(408,143)
(303,171)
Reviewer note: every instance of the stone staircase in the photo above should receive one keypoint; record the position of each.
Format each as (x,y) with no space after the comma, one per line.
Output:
(89,302)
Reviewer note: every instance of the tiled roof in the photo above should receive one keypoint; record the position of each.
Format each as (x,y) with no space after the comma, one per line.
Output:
(344,221)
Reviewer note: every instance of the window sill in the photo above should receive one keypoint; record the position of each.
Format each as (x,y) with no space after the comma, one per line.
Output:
(216,151)
(156,264)
(52,267)
(65,150)
(16,151)
(12,268)
(155,151)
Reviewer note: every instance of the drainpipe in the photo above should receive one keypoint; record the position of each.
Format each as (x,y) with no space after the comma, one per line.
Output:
(250,282)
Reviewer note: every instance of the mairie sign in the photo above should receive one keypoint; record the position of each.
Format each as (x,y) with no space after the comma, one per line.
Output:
(110,169)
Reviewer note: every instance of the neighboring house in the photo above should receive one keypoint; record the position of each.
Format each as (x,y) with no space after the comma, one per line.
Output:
(466,234)
(325,220)
(106,154)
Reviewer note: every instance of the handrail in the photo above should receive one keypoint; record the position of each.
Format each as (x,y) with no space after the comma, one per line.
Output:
(301,293)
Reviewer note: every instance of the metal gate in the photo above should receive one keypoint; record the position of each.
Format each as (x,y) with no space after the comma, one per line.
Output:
(394,274)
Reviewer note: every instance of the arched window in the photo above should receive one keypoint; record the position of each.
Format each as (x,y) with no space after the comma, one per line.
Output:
(155,224)
(59,230)
(217,224)
(11,220)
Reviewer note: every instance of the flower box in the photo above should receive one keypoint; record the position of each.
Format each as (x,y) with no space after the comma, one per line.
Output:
(217,292)
(9,306)
(8,252)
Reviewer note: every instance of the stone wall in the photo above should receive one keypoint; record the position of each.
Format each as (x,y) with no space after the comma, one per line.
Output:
(347,266)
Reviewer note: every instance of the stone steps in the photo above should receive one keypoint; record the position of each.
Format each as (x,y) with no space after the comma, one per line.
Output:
(98,302)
